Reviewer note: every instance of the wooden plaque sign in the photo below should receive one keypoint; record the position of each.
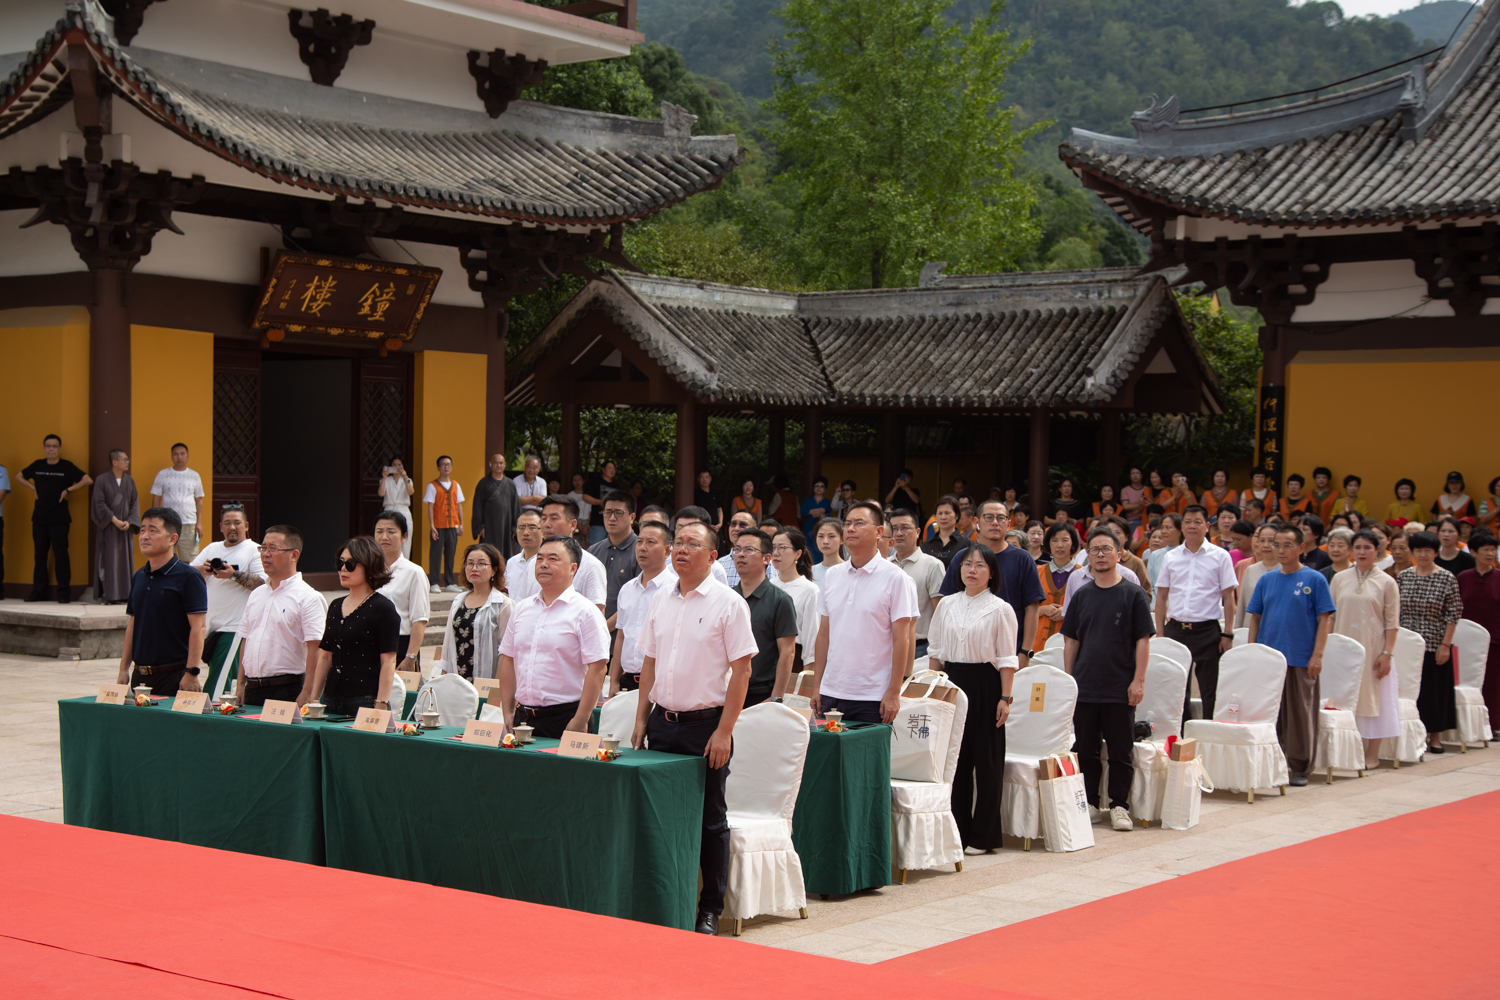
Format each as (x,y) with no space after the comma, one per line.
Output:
(344,296)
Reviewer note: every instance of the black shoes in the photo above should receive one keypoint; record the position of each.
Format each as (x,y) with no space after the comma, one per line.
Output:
(708,923)
(35,598)
(1298,781)
(1437,749)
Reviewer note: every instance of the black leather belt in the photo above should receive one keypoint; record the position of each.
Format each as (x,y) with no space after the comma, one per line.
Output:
(1189,626)
(160,668)
(695,716)
(276,680)
(547,711)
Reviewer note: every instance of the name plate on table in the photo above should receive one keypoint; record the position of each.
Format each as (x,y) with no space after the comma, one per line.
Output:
(285,713)
(371,720)
(579,745)
(806,713)
(111,694)
(486,686)
(1039,697)
(190,701)
(411,678)
(483,734)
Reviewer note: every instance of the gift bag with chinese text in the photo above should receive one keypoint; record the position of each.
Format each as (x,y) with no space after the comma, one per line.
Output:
(1186,783)
(1065,807)
(919,739)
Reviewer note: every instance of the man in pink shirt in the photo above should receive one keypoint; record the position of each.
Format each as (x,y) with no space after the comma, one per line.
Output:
(697,644)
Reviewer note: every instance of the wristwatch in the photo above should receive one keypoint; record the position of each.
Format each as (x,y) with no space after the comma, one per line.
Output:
(777,700)
(1009,699)
(192,670)
(1027,653)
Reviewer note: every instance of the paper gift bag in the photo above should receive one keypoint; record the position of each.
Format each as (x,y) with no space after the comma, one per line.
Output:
(1186,783)
(919,739)
(1065,814)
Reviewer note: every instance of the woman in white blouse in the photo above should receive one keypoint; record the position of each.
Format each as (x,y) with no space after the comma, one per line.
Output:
(973,639)
(794,575)
(395,490)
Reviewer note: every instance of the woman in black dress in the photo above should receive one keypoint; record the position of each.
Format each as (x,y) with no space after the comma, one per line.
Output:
(358,652)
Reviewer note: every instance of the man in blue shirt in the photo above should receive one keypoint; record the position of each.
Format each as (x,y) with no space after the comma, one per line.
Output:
(814,509)
(166,612)
(1019,583)
(1292,612)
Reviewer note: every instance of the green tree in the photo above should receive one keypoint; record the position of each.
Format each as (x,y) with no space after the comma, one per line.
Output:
(899,145)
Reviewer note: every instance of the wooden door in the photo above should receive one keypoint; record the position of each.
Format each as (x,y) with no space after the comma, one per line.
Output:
(382,428)
(236,475)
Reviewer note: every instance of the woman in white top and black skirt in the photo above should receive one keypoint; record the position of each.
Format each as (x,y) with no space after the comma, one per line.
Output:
(357,660)
(973,639)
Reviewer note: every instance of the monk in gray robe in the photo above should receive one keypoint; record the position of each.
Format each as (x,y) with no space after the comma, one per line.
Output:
(116,512)
(496,506)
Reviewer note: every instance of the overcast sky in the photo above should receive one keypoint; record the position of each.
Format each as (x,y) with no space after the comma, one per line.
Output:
(1358,8)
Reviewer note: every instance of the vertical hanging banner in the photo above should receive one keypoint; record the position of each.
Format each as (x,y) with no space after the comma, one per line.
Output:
(1270,432)
(344,296)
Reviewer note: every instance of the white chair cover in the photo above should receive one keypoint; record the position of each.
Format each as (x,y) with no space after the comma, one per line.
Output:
(398,696)
(1166,684)
(1031,736)
(617,716)
(1051,656)
(1409,747)
(1054,641)
(1162,645)
(455,699)
(765,873)
(1472,642)
(1339,744)
(923,831)
(1241,636)
(1240,751)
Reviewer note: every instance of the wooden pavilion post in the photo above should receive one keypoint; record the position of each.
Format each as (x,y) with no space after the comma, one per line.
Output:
(568,456)
(1041,436)
(812,448)
(687,458)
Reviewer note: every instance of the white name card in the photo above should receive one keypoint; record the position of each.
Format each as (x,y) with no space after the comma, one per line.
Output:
(486,686)
(579,745)
(411,678)
(282,712)
(190,701)
(483,734)
(372,720)
(111,694)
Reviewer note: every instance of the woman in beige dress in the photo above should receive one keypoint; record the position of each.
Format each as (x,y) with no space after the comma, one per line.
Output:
(1369,609)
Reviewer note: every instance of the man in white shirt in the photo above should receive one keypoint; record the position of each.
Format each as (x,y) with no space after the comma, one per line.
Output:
(281,628)
(553,655)
(520,575)
(698,515)
(925,571)
(181,489)
(231,569)
(407,588)
(697,644)
(653,549)
(1195,586)
(741,521)
(560,520)
(868,611)
(531,488)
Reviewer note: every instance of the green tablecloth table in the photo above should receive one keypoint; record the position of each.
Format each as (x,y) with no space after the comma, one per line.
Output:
(618,838)
(227,782)
(411,701)
(842,823)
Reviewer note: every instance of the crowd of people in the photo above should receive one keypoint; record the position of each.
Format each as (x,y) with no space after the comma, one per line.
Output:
(568,598)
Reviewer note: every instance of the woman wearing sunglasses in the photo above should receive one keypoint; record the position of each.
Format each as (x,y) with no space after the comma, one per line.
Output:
(358,653)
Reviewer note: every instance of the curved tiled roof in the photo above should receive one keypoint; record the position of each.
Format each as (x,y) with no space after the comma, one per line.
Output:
(535,163)
(1058,340)
(1418,147)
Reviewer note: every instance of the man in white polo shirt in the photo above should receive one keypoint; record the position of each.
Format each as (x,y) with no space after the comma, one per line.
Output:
(231,569)
(555,649)
(520,569)
(653,550)
(868,609)
(281,627)
(1197,584)
(926,571)
(697,643)
(560,520)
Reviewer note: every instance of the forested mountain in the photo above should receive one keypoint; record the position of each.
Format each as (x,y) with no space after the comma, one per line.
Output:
(1434,22)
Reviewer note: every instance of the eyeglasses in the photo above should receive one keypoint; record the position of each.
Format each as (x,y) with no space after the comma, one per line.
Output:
(273,549)
(528,527)
(993,518)
(348,565)
(782,550)
(747,551)
(691,546)
(615,512)
(1096,551)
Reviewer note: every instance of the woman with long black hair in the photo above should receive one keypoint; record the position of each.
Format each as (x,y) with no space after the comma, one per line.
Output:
(358,652)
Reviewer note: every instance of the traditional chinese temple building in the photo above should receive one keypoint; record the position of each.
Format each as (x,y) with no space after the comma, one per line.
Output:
(287,237)
(1363,227)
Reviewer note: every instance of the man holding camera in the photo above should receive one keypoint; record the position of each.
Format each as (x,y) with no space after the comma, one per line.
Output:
(231,569)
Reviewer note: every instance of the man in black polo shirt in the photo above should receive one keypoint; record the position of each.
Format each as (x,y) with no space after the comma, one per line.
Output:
(617,551)
(53,479)
(166,612)
(773,618)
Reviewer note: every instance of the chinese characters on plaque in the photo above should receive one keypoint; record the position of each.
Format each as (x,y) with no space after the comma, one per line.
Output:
(342,296)
(1270,432)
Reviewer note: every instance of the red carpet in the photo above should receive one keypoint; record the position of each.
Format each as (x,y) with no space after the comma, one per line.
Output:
(92,914)
(1402,908)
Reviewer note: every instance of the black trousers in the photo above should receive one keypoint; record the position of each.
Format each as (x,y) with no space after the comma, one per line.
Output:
(1114,724)
(443,546)
(286,688)
(981,757)
(757,693)
(348,704)
(1202,640)
(164,684)
(1436,704)
(854,711)
(690,739)
(548,723)
(629,681)
(54,537)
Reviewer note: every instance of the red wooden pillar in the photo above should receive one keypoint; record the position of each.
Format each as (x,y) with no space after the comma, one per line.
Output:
(1041,436)
(687,451)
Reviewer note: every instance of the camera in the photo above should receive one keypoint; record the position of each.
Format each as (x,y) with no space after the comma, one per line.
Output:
(216,564)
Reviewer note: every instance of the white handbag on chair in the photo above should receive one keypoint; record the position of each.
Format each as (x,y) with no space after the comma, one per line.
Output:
(1186,781)
(1030,736)
(1065,808)
(924,833)
(1161,705)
